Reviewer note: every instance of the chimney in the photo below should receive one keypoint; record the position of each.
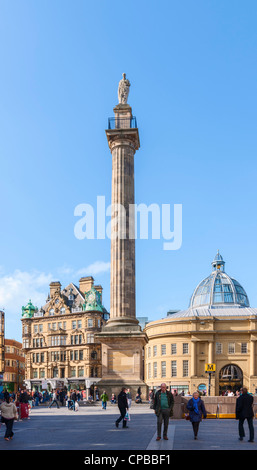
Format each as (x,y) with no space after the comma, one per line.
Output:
(85,284)
(55,287)
(100,290)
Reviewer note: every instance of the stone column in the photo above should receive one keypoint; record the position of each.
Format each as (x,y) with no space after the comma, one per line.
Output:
(210,352)
(252,357)
(123,142)
(121,338)
(193,358)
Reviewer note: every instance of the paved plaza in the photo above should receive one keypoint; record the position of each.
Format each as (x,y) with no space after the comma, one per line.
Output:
(93,429)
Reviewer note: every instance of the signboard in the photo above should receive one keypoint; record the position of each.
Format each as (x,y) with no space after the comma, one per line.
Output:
(44,384)
(210,367)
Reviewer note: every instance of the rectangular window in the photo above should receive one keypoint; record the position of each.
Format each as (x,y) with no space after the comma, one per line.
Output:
(218,348)
(34,373)
(79,324)
(73,324)
(173,368)
(155,370)
(149,371)
(42,373)
(163,349)
(40,327)
(163,368)
(149,352)
(90,323)
(155,350)
(243,348)
(81,371)
(73,371)
(185,348)
(35,328)
(90,338)
(76,355)
(63,356)
(81,355)
(231,348)
(173,348)
(185,368)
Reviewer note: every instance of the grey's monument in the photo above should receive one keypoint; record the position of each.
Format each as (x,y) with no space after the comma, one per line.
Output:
(122,339)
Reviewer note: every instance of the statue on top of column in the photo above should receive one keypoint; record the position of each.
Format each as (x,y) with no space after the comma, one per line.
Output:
(123,90)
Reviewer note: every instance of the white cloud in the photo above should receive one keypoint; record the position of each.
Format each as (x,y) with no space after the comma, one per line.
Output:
(15,291)
(98,267)
(18,287)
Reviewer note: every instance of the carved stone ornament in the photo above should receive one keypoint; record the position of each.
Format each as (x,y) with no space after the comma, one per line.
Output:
(123,90)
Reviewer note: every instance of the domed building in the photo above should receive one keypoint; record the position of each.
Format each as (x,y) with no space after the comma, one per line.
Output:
(218,332)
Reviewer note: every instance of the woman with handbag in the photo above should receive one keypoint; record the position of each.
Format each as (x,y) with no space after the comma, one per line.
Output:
(196,410)
(9,414)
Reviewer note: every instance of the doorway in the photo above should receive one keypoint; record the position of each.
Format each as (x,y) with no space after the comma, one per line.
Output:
(230,379)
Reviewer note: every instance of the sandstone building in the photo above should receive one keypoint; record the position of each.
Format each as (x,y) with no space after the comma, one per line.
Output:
(219,328)
(59,338)
(14,368)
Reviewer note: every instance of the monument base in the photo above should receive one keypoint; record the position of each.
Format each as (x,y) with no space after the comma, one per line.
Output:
(122,359)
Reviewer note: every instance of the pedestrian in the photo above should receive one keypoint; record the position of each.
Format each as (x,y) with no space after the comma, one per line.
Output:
(104,398)
(54,400)
(163,407)
(123,407)
(196,410)
(129,398)
(244,410)
(151,399)
(9,414)
(74,399)
(96,394)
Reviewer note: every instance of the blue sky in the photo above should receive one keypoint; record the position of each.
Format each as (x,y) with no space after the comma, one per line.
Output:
(192,68)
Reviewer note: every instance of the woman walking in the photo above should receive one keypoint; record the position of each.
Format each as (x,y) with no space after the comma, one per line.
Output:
(9,414)
(196,410)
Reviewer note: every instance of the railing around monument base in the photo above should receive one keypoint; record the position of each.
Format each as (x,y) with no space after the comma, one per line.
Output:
(122,123)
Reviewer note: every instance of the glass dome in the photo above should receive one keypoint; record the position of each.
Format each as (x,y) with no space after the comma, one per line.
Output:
(219,289)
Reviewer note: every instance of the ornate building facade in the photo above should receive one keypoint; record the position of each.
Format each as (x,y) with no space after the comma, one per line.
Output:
(59,339)
(218,328)
(14,371)
(1,348)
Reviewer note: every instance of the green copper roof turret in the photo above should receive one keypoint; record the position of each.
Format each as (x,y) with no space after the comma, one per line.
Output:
(29,310)
(92,301)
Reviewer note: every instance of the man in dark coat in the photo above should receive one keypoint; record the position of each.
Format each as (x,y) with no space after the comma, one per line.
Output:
(244,410)
(163,407)
(123,407)
(24,397)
